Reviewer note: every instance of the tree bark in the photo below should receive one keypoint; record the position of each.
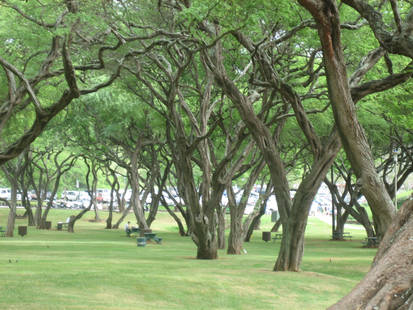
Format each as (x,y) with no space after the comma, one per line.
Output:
(11,219)
(235,239)
(389,283)
(221,227)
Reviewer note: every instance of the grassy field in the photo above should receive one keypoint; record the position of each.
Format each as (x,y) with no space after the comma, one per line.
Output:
(96,268)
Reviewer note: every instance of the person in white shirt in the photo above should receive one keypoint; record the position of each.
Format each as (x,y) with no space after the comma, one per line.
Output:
(128,228)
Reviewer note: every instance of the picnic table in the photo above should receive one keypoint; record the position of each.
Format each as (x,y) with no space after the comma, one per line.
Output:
(150,236)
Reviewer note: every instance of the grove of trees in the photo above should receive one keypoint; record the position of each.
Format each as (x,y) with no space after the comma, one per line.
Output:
(196,101)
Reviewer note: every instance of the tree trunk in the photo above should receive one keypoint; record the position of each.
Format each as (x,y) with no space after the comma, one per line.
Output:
(254,222)
(389,283)
(292,243)
(135,200)
(110,216)
(29,212)
(12,209)
(11,219)
(276,226)
(341,219)
(38,213)
(124,214)
(95,208)
(176,218)
(207,245)
(235,239)
(30,217)
(205,236)
(221,227)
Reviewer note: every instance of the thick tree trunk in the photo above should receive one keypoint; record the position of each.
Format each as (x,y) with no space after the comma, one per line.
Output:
(235,239)
(12,210)
(11,219)
(205,238)
(389,283)
(341,219)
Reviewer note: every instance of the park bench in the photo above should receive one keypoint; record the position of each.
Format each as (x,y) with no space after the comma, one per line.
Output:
(342,236)
(277,237)
(2,232)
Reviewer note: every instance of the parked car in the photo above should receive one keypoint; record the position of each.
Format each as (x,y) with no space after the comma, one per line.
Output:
(103,195)
(5,193)
(70,195)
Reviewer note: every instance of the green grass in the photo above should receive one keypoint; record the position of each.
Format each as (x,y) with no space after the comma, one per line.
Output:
(96,268)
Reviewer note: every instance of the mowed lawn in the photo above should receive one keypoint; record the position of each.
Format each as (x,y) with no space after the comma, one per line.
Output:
(95,268)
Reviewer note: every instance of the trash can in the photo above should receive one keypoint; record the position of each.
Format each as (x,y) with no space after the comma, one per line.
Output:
(266,236)
(48,225)
(141,241)
(22,230)
(59,226)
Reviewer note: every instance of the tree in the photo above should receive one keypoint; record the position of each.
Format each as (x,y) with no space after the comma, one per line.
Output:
(91,179)
(47,164)
(13,170)
(270,73)
(28,95)
(352,135)
(388,284)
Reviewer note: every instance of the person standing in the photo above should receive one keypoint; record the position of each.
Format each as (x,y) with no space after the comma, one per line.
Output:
(128,229)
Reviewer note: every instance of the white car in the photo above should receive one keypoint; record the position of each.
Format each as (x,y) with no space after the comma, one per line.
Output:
(5,193)
(70,195)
